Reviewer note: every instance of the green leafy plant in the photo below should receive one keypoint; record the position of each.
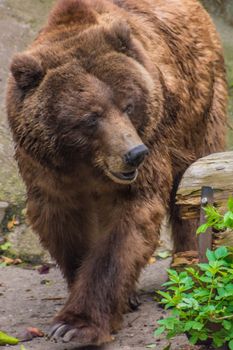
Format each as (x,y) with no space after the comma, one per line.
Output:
(5,246)
(3,249)
(216,220)
(201,301)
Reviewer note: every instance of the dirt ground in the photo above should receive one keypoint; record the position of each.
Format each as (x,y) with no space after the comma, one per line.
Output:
(28,299)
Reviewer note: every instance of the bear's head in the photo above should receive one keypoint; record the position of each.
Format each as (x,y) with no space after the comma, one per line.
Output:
(89,99)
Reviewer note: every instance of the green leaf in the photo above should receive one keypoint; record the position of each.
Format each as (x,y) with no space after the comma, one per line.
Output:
(165,254)
(218,341)
(204,267)
(208,309)
(193,325)
(197,325)
(22,347)
(230,344)
(203,336)
(221,252)
(228,219)
(188,304)
(202,228)
(188,326)
(213,217)
(201,293)
(230,204)
(159,331)
(229,287)
(5,339)
(169,322)
(231,335)
(206,279)
(151,346)
(3,264)
(221,292)
(172,272)
(210,255)
(5,246)
(166,295)
(227,325)
(193,339)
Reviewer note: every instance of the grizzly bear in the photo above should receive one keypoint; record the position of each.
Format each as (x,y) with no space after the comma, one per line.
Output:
(108,107)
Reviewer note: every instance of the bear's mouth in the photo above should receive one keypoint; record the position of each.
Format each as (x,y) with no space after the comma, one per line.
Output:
(126,177)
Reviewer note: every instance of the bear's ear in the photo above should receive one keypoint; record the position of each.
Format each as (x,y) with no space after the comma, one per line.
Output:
(26,70)
(119,36)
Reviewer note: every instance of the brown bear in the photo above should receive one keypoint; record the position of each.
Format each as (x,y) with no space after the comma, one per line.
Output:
(108,107)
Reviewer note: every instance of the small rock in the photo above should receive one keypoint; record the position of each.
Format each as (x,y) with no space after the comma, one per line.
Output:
(25,244)
(44,269)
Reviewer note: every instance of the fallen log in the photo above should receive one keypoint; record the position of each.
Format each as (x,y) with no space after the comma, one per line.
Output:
(216,171)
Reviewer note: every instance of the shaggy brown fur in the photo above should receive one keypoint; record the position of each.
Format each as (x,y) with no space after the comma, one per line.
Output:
(103,77)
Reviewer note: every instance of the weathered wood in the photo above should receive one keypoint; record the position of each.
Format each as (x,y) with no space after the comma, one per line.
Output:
(216,171)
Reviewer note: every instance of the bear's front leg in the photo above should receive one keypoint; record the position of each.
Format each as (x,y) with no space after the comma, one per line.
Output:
(107,277)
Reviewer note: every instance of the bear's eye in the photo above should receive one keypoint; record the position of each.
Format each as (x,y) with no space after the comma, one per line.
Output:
(129,109)
(92,119)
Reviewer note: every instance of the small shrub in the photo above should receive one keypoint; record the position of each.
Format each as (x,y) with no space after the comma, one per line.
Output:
(201,301)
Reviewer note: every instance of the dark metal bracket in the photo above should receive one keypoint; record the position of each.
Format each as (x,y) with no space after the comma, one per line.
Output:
(205,239)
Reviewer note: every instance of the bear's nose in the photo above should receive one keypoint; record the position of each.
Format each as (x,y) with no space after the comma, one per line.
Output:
(136,155)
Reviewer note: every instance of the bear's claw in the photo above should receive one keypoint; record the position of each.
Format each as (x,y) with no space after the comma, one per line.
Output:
(70,335)
(66,333)
(134,302)
(59,330)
